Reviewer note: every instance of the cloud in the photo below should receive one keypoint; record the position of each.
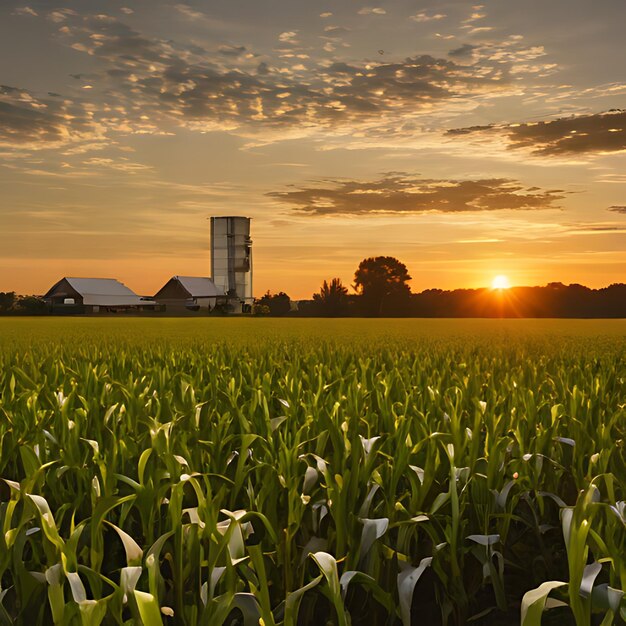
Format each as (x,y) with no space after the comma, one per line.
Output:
(147,84)
(399,193)
(618,208)
(326,14)
(60,15)
(232,51)
(423,16)
(288,36)
(463,51)
(188,12)
(577,135)
(371,11)
(25,11)
(31,122)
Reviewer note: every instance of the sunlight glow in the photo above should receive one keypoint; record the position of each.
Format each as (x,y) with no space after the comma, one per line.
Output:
(500,282)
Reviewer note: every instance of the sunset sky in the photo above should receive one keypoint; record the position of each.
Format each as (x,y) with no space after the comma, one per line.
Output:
(468,140)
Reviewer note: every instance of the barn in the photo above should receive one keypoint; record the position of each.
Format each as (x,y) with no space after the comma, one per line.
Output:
(188,293)
(94,295)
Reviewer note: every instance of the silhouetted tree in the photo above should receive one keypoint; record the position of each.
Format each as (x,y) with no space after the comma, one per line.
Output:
(30,305)
(382,283)
(553,300)
(278,303)
(332,299)
(7,300)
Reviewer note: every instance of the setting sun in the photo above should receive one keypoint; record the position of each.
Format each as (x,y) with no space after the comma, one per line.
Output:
(500,282)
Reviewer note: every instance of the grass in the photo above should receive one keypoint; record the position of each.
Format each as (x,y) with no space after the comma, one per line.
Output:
(263,471)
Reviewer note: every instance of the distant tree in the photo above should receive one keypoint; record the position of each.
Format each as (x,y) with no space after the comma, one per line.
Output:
(278,303)
(260,309)
(332,298)
(7,300)
(30,305)
(382,283)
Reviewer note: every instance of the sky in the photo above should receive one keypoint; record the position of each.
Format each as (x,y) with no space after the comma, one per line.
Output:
(467,140)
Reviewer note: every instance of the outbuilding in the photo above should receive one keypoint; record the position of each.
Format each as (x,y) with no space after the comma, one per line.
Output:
(94,295)
(189,293)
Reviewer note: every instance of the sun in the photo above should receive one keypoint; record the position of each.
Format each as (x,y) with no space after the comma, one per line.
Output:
(500,282)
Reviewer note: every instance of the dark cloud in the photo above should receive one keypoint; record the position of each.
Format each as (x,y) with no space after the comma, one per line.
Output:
(232,51)
(463,51)
(600,132)
(398,193)
(28,120)
(618,208)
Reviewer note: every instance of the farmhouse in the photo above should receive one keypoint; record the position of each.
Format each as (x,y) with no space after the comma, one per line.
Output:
(94,295)
(188,293)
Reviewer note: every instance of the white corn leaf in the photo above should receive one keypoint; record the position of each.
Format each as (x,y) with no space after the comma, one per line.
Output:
(590,574)
(129,576)
(249,607)
(566,440)
(76,585)
(484,540)
(368,444)
(503,495)
(607,598)
(328,567)
(420,473)
(407,580)
(56,599)
(310,478)
(216,574)
(373,529)
(134,554)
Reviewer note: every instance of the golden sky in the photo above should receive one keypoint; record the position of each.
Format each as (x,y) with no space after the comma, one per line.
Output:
(468,140)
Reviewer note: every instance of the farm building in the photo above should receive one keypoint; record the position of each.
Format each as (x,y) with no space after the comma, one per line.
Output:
(231,261)
(188,293)
(94,295)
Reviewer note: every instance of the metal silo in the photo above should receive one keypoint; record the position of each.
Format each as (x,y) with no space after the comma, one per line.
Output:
(231,260)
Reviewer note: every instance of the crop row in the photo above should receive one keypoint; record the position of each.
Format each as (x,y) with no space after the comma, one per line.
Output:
(312,483)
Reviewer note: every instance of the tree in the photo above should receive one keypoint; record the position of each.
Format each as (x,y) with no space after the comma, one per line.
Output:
(332,299)
(278,303)
(382,283)
(30,305)
(7,300)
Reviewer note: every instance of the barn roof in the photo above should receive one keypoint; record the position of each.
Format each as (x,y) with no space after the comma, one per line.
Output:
(199,286)
(101,291)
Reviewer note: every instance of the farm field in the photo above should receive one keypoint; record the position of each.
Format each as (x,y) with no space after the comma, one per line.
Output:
(268,471)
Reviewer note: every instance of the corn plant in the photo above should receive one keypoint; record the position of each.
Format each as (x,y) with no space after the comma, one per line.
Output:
(336,472)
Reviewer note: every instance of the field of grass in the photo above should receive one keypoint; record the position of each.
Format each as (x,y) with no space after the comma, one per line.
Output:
(260,471)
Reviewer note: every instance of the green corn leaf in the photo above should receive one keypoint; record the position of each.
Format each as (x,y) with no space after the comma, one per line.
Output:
(149,610)
(534,601)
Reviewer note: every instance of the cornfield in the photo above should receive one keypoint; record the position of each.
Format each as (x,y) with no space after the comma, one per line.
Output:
(268,472)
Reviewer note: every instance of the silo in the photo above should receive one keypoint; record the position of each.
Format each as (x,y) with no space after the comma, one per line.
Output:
(231,260)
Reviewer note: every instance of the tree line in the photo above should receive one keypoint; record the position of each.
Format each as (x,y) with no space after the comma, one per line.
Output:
(381,289)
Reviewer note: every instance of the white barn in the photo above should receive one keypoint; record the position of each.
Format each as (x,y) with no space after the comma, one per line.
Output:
(94,295)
